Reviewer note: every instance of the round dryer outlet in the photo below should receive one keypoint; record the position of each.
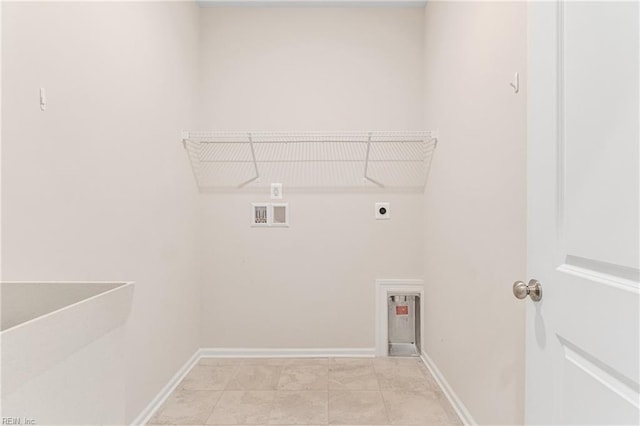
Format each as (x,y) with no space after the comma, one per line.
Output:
(383,211)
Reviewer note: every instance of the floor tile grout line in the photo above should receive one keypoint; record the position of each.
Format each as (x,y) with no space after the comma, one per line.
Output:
(384,402)
(328,396)
(213,408)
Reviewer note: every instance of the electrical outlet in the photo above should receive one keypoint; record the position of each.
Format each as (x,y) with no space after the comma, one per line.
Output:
(383,211)
(276,191)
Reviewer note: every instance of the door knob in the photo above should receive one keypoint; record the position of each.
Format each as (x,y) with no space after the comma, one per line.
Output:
(532,289)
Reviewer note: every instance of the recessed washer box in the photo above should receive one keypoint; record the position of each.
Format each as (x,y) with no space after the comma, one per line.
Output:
(383,211)
(270,214)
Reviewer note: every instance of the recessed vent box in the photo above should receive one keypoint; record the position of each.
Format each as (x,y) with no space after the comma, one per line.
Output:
(404,324)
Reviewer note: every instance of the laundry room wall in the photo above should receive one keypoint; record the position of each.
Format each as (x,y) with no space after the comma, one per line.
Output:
(97,187)
(475,203)
(307,69)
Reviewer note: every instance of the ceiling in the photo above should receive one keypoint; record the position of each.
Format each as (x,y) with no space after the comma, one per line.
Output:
(313,3)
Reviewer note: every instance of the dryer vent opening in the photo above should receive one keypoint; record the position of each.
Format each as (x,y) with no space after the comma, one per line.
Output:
(404,324)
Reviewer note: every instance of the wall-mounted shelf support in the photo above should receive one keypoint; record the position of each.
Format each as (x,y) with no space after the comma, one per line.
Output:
(184,137)
(255,164)
(366,165)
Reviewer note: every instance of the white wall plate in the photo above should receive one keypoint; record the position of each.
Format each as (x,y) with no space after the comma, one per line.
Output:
(383,211)
(276,191)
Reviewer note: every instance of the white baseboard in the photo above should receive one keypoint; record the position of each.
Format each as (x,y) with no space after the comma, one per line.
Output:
(456,403)
(286,353)
(162,396)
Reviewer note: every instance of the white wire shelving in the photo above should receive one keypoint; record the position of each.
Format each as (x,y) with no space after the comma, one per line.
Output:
(226,161)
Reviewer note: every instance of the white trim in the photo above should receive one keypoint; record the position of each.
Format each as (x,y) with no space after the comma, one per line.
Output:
(164,393)
(383,287)
(454,400)
(286,353)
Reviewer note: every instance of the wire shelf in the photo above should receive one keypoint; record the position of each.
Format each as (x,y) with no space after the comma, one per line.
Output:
(310,160)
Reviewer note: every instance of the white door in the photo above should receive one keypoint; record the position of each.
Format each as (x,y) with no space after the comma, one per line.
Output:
(582,356)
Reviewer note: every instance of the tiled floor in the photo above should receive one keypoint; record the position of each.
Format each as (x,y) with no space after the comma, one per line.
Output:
(309,391)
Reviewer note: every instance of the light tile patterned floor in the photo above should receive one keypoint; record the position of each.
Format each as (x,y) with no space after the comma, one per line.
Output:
(307,391)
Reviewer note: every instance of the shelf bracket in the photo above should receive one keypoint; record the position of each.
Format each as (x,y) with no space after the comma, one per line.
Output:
(255,164)
(185,136)
(366,165)
(515,84)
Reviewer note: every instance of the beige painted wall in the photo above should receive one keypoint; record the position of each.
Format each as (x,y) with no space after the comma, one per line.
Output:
(308,68)
(307,286)
(311,285)
(98,187)
(475,203)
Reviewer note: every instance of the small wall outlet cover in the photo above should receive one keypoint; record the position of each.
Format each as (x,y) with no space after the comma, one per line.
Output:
(383,211)
(276,191)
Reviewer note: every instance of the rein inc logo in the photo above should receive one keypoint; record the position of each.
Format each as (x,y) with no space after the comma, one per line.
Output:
(18,421)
